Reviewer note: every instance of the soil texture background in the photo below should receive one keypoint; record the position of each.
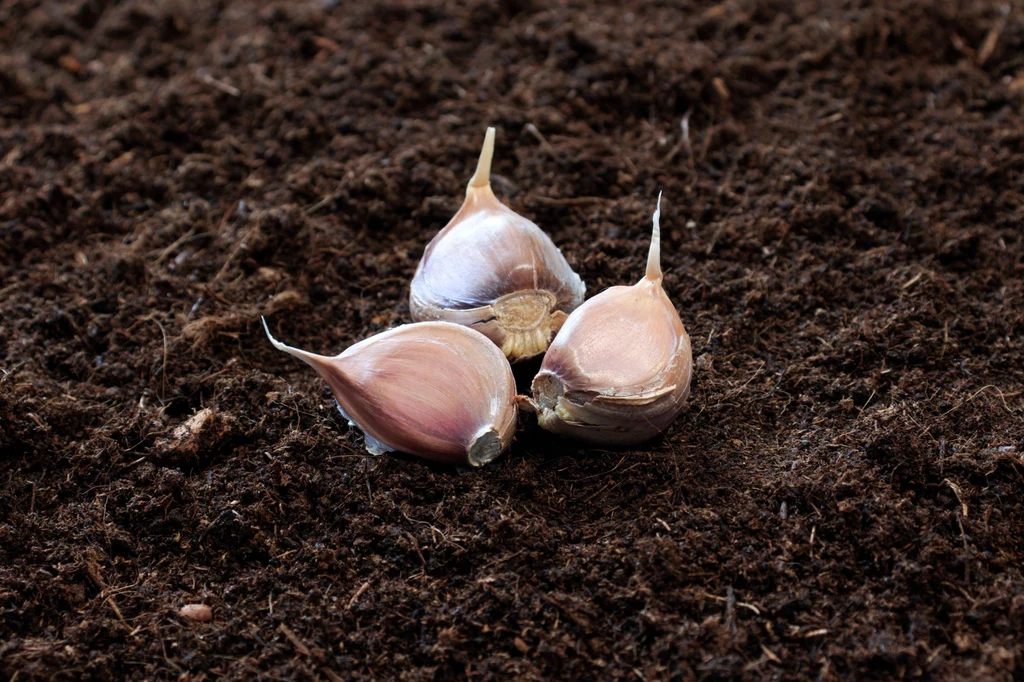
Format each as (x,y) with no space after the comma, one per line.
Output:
(842,498)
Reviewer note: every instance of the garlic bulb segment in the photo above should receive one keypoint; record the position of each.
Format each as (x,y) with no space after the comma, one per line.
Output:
(433,389)
(495,271)
(619,370)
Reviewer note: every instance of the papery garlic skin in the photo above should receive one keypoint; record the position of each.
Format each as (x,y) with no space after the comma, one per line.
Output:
(495,271)
(433,389)
(619,370)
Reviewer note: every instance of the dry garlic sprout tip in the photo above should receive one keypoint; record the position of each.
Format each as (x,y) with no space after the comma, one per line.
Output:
(619,370)
(433,389)
(654,255)
(495,271)
(482,176)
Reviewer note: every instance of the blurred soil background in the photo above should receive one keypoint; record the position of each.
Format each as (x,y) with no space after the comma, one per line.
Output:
(841,499)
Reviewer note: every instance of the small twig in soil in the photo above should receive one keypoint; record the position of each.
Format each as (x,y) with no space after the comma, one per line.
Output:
(775,386)
(737,391)
(963,538)
(870,397)
(617,483)
(1002,396)
(8,289)
(226,88)
(961,590)
(359,593)
(238,247)
(988,46)
(214,523)
(684,128)
(600,475)
(313,208)
(684,142)
(190,236)
(532,129)
(163,648)
(959,495)
(502,560)
(113,605)
(163,371)
(294,639)
(770,655)
(723,94)
(369,490)
(416,546)
(963,48)
(745,605)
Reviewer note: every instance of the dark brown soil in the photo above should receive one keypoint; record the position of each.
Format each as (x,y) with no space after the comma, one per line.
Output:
(843,498)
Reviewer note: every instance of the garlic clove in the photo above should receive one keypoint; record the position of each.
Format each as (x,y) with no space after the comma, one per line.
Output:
(495,271)
(433,389)
(619,370)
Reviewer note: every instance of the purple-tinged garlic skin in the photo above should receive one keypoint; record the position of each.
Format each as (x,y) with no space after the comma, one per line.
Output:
(495,271)
(619,370)
(433,389)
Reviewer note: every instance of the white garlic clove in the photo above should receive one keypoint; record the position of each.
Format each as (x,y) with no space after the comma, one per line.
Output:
(495,271)
(619,370)
(433,389)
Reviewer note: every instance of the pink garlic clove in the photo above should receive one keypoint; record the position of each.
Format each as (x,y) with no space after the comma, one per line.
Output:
(433,389)
(496,271)
(619,370)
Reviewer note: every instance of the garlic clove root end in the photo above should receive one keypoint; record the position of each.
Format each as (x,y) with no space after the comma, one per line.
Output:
(485,448)
(526,323)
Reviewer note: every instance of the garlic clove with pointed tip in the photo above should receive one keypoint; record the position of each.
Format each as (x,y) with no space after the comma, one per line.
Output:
(619,370)
(495,271)
(433,389)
